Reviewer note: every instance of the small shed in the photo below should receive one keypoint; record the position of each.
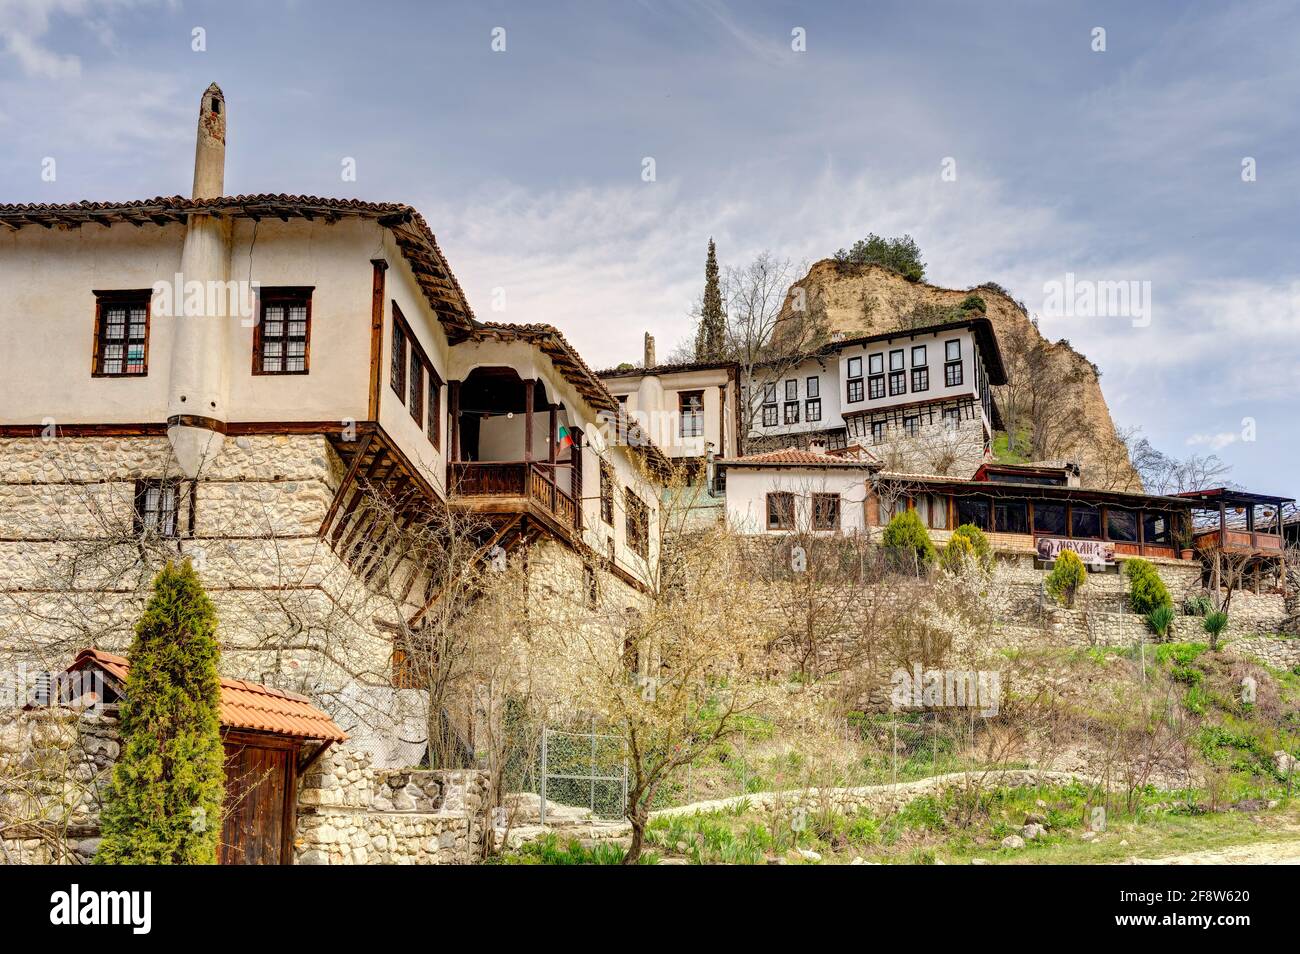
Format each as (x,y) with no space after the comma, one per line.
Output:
(270,738)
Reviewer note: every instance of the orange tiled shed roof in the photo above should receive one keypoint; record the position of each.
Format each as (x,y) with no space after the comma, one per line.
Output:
(244,705)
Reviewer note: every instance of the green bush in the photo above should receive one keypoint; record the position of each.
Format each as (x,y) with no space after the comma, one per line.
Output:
(973,303)
(1198,605)
(164,803)
(898,254)
(1214,624)
(967,542)
(1066,578)
(1146,591)
(1161,620)
(907,542)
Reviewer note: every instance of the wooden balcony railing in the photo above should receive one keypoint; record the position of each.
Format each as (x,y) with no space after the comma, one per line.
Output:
(531,480)
(1240,540)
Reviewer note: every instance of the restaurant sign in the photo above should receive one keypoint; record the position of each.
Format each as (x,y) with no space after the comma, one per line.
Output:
(1096,552)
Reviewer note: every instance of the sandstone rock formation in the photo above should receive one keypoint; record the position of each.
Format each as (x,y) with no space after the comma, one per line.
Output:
(1053,400)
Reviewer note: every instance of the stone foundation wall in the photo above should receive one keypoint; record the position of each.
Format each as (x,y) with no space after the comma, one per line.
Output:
(351,813)
(54,767)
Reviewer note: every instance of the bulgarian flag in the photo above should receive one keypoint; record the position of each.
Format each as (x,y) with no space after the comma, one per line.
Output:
(565,437)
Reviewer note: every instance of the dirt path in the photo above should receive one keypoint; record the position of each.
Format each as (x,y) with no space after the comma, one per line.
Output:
(1257,853)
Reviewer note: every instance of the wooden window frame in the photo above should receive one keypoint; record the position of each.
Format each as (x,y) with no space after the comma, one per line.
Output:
(397,362)
(854,391)
(952,374)
(104,299)
(783,510)
(813,387)
(694,414)
(812,410)
(912,425)
(875,387)
(415,390)
(791,413)
(769,393)
(902,360)
(901,377)
(876,363)
(883,430)
(142,487)
(792,389)
(636,524)
(606,493)
(920,379)
(775,419)
(433,427)
(947,349)
(923,362)
(282,295)
(819,501)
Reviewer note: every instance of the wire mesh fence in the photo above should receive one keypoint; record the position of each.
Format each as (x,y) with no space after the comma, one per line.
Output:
(581,767)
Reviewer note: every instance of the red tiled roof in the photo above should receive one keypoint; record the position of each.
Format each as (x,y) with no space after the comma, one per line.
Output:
(244,705)
(796,457)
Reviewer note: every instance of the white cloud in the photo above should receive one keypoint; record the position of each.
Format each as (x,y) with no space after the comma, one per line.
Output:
(1213,441)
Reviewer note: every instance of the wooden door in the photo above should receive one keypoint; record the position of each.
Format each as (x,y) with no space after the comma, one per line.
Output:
(259,810)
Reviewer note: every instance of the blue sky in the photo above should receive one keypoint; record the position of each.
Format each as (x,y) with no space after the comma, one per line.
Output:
(1118,165)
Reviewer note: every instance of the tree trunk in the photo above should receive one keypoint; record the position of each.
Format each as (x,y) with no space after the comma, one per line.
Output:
(638,817)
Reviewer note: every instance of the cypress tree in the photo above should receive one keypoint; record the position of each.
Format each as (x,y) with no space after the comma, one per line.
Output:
(164,804)
(710,338)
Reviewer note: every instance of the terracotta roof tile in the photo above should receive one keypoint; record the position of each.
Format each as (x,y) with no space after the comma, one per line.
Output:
(244,705)
(795,456)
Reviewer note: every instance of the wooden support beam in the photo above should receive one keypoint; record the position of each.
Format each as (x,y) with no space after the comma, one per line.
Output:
(376,334)
(551,442)
(348,479)
(529,388)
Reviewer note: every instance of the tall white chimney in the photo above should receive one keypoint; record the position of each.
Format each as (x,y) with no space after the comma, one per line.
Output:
(649,358)
(199,385)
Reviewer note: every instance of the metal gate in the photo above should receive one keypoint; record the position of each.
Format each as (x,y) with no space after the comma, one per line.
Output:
(585,769)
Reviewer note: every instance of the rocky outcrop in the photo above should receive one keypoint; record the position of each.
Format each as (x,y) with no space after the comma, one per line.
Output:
(864,300)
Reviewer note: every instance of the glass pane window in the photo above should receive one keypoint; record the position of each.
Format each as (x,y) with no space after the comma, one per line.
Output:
(973,510)
(1121,525)
(877,363)
(1011,516)
(1050,518)
(952,350)
(1155,527)
(281,337)
(918,356)
(896,360)
(1085,522)
(813,387)
(122,333)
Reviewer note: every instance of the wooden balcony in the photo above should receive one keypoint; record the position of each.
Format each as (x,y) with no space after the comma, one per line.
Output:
(1240,541)
(513,487)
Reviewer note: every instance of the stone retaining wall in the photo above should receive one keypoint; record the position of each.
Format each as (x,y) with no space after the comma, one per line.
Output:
(351,813)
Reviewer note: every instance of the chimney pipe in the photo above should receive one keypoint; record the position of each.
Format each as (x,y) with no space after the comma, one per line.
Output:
(210,146)
(649,361)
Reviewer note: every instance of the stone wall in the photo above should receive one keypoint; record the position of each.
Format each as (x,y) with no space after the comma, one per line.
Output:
(54,767)
(1278,653)
(352,813)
